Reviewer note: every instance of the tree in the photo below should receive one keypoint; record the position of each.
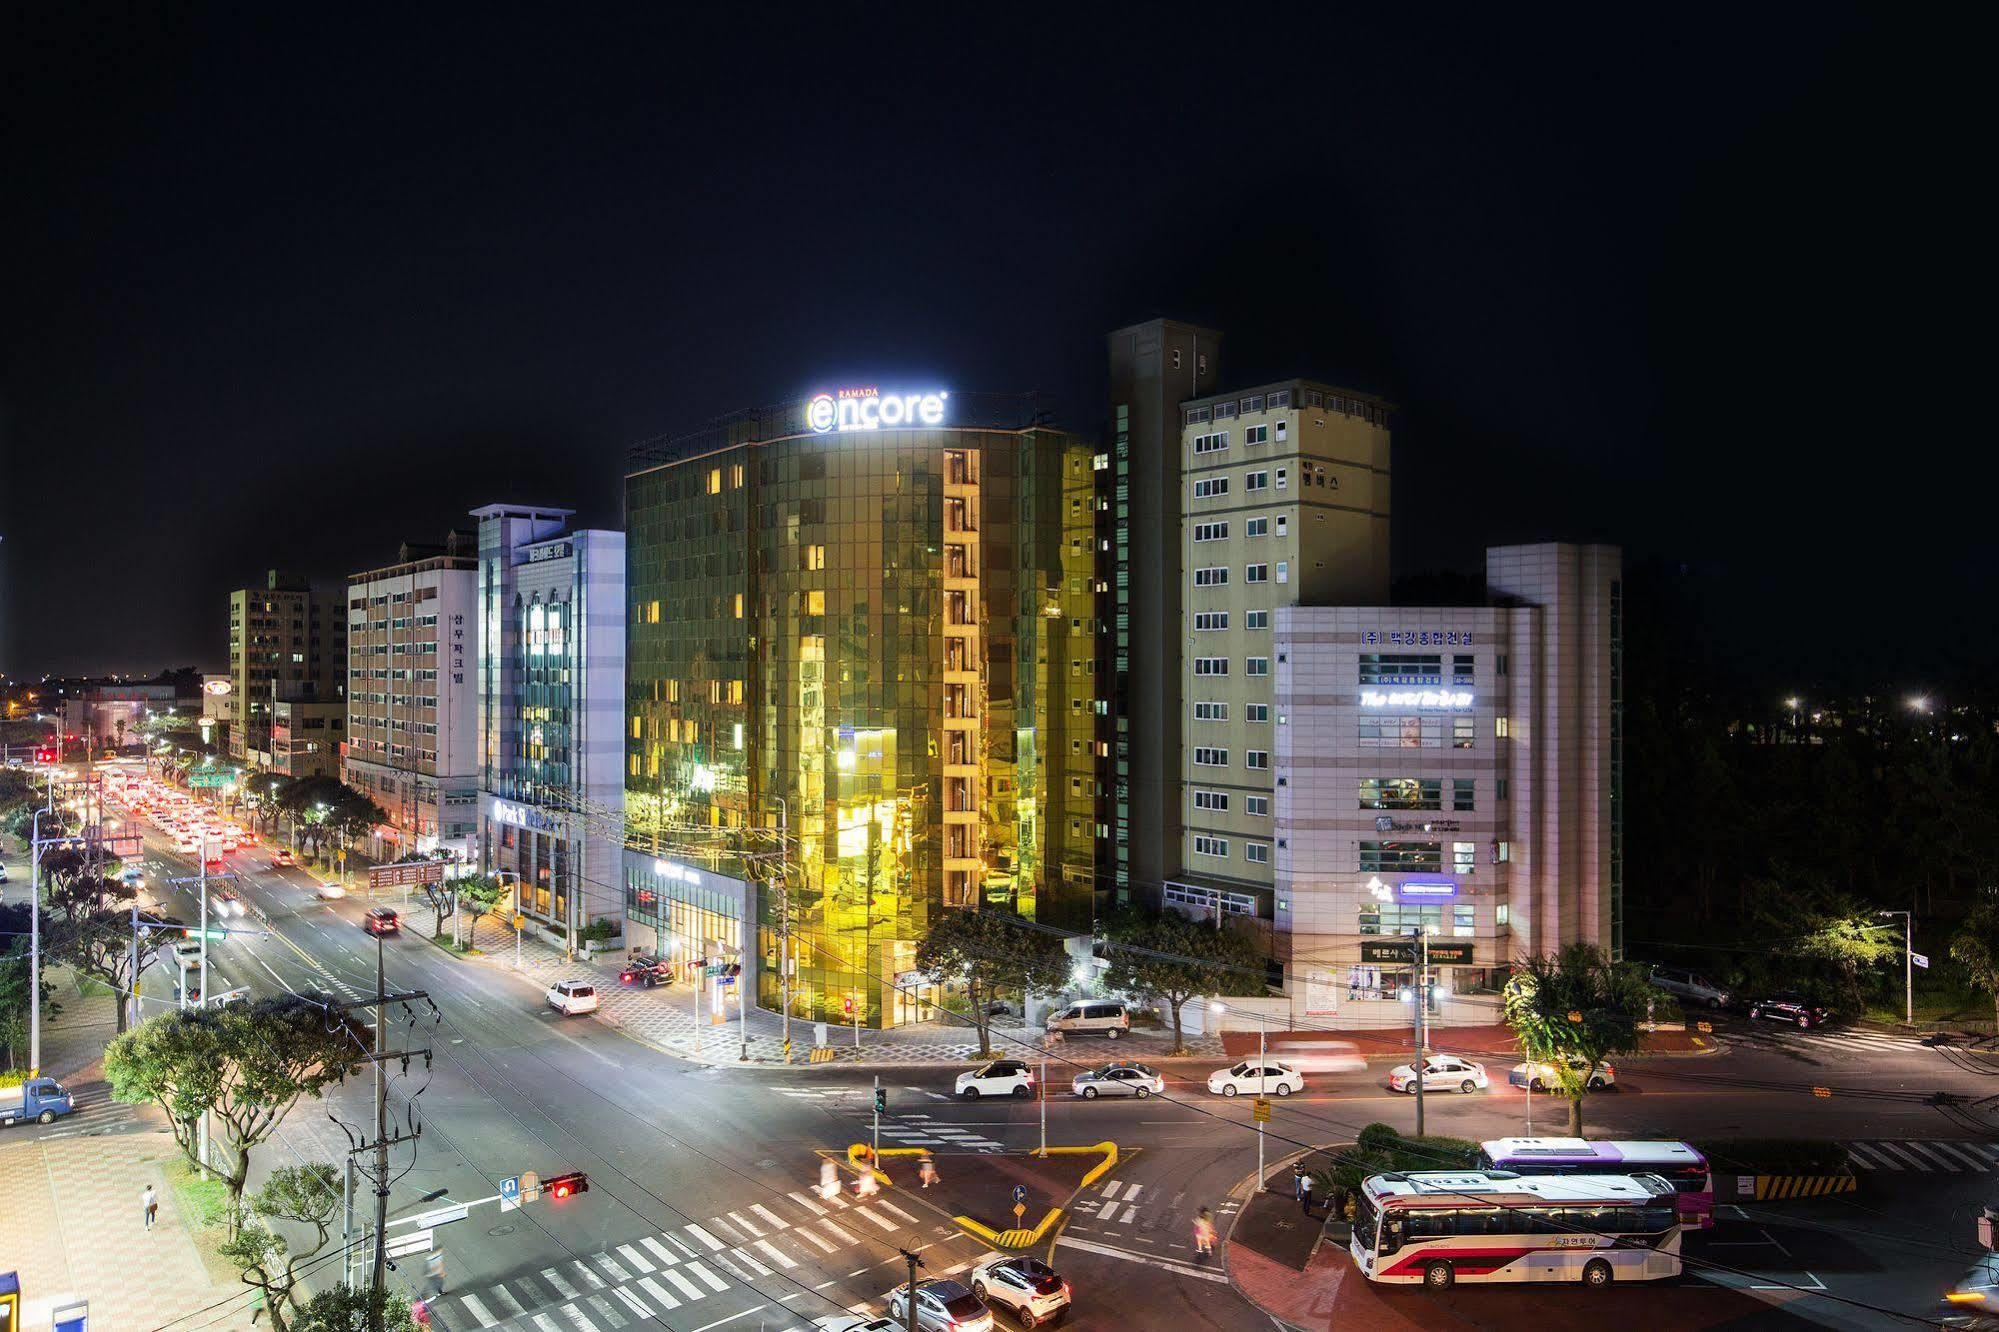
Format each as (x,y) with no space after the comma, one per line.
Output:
(308,1196)
(1173,958)
(479,895)
(344,1310)
(14,985)
(1975,947)
(988,951)
(247,1063)
(1573,1010)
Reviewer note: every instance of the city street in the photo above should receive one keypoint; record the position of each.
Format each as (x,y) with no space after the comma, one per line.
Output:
(703,1211)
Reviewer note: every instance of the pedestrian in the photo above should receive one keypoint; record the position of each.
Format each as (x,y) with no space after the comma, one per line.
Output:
(829,1179)
(1204,1234)
(1304,1193)
(866,1186)
(927,1172)
(433,1270)
(149,1201)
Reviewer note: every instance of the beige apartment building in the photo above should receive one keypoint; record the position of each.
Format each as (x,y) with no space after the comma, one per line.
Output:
(287,640)
(412,702)
(1285,502)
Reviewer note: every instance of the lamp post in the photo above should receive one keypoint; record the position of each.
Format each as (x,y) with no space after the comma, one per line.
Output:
(1908,965)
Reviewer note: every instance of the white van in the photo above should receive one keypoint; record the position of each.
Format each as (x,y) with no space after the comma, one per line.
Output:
(1088,1017)
(1317,1056)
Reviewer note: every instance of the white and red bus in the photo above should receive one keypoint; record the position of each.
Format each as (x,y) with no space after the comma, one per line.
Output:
(1439,1227)
(1685,1167)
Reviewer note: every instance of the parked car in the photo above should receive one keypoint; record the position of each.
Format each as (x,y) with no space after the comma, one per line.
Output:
(1265,1079)
(1318,1056)
(1541,1076)
(645,969)
(43,1100)
(1027,1287)
(942,1305)
(1790,1006)
(573,997)
(382,920)
(1092,1017)
(1118,1080)
(1002,1077)
(1442,1072)
(1690,985)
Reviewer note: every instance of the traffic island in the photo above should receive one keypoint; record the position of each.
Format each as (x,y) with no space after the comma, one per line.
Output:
(1010,1201)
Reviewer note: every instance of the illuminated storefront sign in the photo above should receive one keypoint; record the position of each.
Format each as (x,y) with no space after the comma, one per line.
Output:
(1416,637)
(520,816)
(1426,888)
(871,409)
(666,869)
(1415,698)
(557,551)
(216,687)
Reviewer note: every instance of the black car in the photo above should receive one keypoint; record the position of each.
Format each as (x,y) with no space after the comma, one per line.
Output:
(1790,1006)
(645,969)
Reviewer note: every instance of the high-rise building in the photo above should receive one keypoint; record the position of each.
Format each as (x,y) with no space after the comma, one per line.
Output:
(412,696)
(287,639)
(1284,503)
(862,635)
(551,695)
(1154,367)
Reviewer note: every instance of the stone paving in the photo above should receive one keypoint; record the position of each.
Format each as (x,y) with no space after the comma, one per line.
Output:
(664,1017)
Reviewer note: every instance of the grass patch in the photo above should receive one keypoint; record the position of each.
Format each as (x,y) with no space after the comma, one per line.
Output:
(89,987)
(203,1202)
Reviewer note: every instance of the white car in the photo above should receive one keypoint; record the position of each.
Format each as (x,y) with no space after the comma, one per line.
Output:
(1540,1076)
(573,997)
(1269,1078)
(329,890)
(1002,1077)
(1118,1080)
(226,904)
(1441,1073)
(1027,1287)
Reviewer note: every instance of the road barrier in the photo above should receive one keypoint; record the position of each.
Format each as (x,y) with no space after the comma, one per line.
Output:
(1772,1188)
(1098,1171)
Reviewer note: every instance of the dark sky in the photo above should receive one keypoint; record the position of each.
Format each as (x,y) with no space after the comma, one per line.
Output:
(285,287)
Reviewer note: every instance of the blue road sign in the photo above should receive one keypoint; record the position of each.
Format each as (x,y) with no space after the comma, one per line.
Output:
(510,1193)
(1020,1193)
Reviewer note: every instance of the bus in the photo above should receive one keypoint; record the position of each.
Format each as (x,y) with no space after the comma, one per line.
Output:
(1440,1227)
(1685,1167)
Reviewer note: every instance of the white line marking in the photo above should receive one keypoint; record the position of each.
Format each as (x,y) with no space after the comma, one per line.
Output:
(716,1282)
(812,1239)
(682,1284)
(666,1256)
(1129,1213)
(634,1257)
(611,1265)
(658,1292)
(545,1323)
(604,1306)
(1110,1189)
(885,1225)
(589,1274)
(633,1302)
(677,1243)
(506,1296)
(731,1318)
(844,1236)
(777,1222)
(1132,1196)
(746,1224)
(899,1212)
(776,1255)
(714,1245)
(1167,1264)
(578,1319)
(561,1284)
(806,1202)
(478,1310)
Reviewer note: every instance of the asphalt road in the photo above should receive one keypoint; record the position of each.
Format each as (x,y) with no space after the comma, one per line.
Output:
(702,1211)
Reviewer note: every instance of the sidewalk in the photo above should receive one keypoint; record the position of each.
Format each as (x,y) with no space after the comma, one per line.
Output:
(664,1017)
(83,1239)
(1483,1042)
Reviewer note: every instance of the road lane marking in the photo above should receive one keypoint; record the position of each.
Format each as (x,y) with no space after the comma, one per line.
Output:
(899,1212)
(713,1281)
(746,1224)
(812,1239)
(843,1235)
(1166,1264)
(776,1255)
(714,1245)
(1957,1149)
(743,1257)
(634,1257)
(658,1292)
(666,1256)
(734,1317)
(1132,1195)
(477,1308)
(506,1297)
(1110,1189)
(682,1284)
(545,1323)
(578,1319)
(633,1302)
(584,1270)
(806,1202)
(603,1306)
(777,1222)
(561,1283)
(677,1243)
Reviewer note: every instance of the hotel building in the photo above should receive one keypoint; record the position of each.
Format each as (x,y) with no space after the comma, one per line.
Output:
(862,646)
(550,686)
(287,639)
(412,696)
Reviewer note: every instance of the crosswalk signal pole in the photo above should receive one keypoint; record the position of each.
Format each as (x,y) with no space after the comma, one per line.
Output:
(877,1143)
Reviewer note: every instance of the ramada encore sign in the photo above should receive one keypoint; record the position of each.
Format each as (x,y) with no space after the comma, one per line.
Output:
(871,409)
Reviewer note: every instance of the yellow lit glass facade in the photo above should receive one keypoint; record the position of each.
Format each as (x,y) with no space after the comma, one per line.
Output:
(891,633)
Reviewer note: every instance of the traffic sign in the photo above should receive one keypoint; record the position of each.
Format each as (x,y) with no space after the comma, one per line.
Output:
(1822,1092)
(1019,1211)
(1020,1193)
(520,921)
(530,1186)
(194,933)
(1260,1110)
(1920,959)
(510,1193)
(445,1215)
(71,1318)
(417,1241)
(208,779)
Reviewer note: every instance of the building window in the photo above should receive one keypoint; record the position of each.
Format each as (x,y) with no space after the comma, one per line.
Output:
(1500,664)
(1211,846)
(1211,486)
(1211,712)
(1504,854)
(1499,787)
(1461,670)
(1500,727)
(715,481)
(1256,573)
(1257,758)
(1283,524)
(1211,758)
(1502,915)
(1461,732)
(1256,434)
(1256,527)
(1464,857)
(1283,478)
(1214,443)
(1284,571)
(1256,665)
(1461,794)
(1210,620)
(1257,806)
(1257,712)
(1256,481)
(1211,577)
(1256,853)
(1215,801)
(1400,669)
(1282,428)
(1401,793)
(1256,619)
(1402,858)
(1211,665)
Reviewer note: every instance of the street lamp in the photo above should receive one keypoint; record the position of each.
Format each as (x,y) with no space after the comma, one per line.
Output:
(1908,964)
(1262,1030)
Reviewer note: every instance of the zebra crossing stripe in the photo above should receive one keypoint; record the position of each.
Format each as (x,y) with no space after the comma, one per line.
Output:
(812,1239)
(899,1212)
(561,1284)
(633,1302)
(1110,1189)
(545,1323)
(776,1254)
(746,1224)
(714,1245)
(477,1308)
(665,1255)
(577,1319)
(741,1257)
(583,1270)
(803,1201)
(602,1305)
(682,1284)
(1867,1157)
(658,1293)
(889,1226)
(1132,1194)
(504,1296)
(1897,1152)
(611,1265)
(777,1222)
(1951,1151)
(634,1257)
(716,1283)
(838,1232)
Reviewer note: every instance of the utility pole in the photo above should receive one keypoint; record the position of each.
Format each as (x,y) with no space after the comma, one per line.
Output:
(1422,1023)
(347,1227)
(909,1306)
(1044,1106)
(1908,964)
(876,1142)
(784,917)
(35,933)
(1262,1085)
(380,1280)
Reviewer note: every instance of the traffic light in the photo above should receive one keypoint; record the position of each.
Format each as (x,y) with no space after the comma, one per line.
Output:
(847,1005)
(562,1186)
(45,754)
(881,1100)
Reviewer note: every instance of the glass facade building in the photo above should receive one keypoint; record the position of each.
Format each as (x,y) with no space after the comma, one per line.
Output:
(867,655)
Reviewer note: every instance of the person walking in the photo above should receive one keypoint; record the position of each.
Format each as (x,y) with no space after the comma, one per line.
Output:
(433,1270)
(149,1205)
(1304,1193)
(829,1179)
(1204,1234)
(927,1172)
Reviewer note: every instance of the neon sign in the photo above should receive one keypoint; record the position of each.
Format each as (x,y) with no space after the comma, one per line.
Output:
(871,409)
(1415,698)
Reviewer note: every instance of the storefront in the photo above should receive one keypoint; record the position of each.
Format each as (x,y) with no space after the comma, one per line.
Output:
(692,918)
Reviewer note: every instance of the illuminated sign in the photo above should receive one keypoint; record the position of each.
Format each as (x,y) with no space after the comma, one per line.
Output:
(216,686)
(1427,889)
(520,816)
(558,551)
(1415,698)
(666,869)
(871,409)
(1416,637)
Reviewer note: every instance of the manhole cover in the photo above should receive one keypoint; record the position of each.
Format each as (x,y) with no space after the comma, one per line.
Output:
(766,1164)
(501,1230)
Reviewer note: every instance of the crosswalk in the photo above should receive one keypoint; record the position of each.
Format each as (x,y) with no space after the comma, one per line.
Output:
(752,1248)
(1933,1157)
(95,1114)
(924,1131)
(1853,1040)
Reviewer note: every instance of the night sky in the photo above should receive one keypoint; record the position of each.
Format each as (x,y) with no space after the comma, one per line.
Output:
(286,287)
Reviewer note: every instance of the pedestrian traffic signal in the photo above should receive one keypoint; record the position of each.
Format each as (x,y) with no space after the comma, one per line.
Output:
(562,1186)
(881,1100)
(847,1005)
